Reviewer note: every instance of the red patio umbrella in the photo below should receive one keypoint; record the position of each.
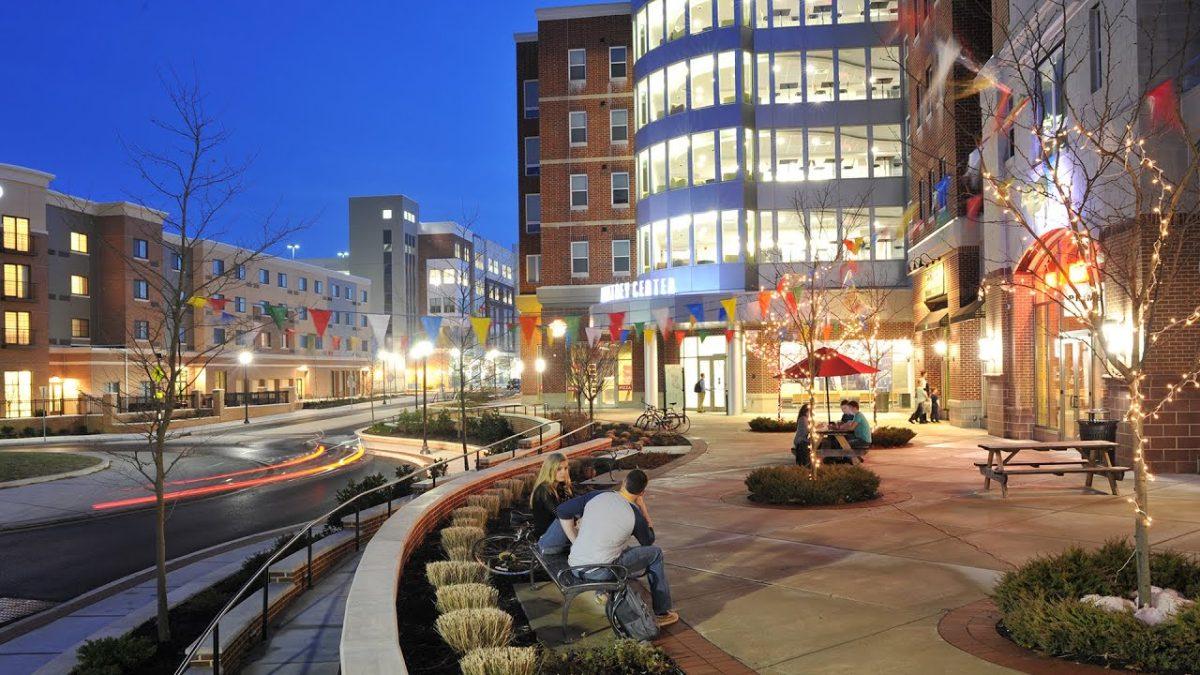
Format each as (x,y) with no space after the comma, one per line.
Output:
(829,363)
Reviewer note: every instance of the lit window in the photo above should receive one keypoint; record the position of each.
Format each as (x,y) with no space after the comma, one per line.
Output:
(702,81)
(790,239)
(747,78)
(681,244)
(576,65)
(639,34)
(766,233)
(725,12)
(704,158)
(885,72)
(819,69)
(16,281)
(728,152)
(529,94)
(578,124)
(701,15)
(825,241)
(787,13)
(618,125)
(766,167)
(387,214)
(79,285)
(677,76)
(533,155)
(620,188)
(643,173)
(579,258)
(886,158)
(820,12)
(787,71)
(822,164)
(654,18)
(16,328)
(533,213)
(18,393)
(16,234)
(620,257)
(852,74)
(730,240)
(856,226)
(641,104)
(677,156)
(706,237)
(887,243)
(79,242)
(658,168)
(618,63)
(676,19)
(656,82)
(410,216)
(885,10)
(141,249)
(789,155)
(80,329)
(726,65)
(854,152)
(659,244)
(579,191)
(763,67)
(851,11)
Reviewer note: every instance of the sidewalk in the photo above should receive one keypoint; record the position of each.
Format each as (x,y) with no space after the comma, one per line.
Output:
(862,590)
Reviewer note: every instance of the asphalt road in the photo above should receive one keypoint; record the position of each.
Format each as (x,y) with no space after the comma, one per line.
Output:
(59,562)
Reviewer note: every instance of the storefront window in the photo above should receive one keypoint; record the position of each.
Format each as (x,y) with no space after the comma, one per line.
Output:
(658,102)
(792,244)
(788,71)
(789,155)
(886,157)
(704,158)
(825,242)
(677,75)
(729,161)
(658,168)
(681,232)
(854,152)
(659,232)
(702,81)
(852,74)
(822,164)
(726,64)
(764,78)
(819,69)
(730,241)
(766,156)
(677,155)
(885,72)
(888,243)
(706,237)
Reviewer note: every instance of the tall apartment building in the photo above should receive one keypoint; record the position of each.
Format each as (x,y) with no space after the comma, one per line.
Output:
(764,135)
(383,248)
(468,275)
(79,299)
(944,239)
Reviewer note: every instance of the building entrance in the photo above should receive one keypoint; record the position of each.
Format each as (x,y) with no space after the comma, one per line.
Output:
(705,356)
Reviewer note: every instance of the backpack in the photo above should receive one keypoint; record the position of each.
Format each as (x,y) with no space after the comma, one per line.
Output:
(699,387)
(629,615)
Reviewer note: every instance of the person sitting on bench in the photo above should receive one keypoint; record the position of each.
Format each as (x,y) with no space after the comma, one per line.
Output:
(551,488)
(860,438)
(606,520)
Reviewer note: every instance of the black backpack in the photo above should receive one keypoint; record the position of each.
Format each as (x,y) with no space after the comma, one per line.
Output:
(629,615)
(699,387)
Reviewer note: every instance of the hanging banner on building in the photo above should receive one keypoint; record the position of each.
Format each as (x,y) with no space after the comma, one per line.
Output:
(379,325)
(432,326)
(662,317)
(320,319)
(529,324)
(615,321)
(227,318)
(640,289)
(481,325)
(593,334)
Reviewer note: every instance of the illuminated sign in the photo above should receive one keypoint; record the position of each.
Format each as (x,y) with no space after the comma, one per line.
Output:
(935,281)
(636,290)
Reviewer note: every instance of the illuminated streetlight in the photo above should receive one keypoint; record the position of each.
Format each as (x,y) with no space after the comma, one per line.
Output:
(540,366)
(558,328)
(293,248)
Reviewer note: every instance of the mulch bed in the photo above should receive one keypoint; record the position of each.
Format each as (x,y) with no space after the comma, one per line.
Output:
(742,498)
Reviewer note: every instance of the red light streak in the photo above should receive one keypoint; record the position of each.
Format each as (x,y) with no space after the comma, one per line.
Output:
(236,485)
(291,462)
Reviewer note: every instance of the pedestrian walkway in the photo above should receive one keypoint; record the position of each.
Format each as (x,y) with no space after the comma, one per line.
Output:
(862,589)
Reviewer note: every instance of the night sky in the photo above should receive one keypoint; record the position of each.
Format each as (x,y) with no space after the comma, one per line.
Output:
(330,99)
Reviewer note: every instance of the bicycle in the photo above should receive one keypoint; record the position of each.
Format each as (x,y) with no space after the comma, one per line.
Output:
(652,417)
(678,421)
(508,555)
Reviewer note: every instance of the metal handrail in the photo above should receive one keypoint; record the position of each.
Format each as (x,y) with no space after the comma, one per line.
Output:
(264,572)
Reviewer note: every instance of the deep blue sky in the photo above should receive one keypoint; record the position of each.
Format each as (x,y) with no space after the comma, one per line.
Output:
(332,99)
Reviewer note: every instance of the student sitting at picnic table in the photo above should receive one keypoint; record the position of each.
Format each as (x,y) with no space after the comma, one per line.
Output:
(860,439)
(800,442)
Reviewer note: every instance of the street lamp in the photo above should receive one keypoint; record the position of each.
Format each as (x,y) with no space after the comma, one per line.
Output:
(293,248)
(421,351)
(244,358)
(558,328)
(540,366)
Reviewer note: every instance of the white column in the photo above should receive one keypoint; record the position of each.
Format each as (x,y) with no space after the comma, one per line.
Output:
(735,372)
(650,366)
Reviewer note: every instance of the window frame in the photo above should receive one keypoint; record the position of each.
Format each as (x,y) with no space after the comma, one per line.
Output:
(623,63)
(85,324)
(627,257)
(533,226)
(586,258)
(85,286)
(141,249)
(76,237)
(145,286)
(574,116)
(572,191)
(571,79)
(613,189)
(536,108)
(613,126)
(532,169)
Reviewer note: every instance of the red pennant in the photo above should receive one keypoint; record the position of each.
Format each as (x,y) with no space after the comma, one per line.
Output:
(529,324)
(1164,106)
(974,206)
(217,304)
(320,319)
(615,321)
(679,335)
(779,284)
(1002,104)
(793,305)
(729,335)
(764,303)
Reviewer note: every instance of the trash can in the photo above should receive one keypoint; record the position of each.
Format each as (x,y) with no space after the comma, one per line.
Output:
(1100,430)
(883,401)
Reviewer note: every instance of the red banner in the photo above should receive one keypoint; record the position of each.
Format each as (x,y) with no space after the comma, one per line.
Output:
(615,321)
(217,304)
(320,319)
(529,324)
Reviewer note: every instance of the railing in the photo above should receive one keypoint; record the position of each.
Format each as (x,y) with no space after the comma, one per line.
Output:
(149,403)
(255,398)
(264,572)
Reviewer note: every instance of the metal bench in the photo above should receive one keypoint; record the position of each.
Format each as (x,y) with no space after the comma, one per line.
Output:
(570,581)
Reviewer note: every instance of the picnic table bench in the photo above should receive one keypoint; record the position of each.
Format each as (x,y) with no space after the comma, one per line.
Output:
(571,582)
(841,447)
(1095,459)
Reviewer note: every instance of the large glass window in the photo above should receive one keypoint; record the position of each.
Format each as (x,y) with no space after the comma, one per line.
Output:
(725,12)
(726,65)
(819,69)
(704,158)
(681,230)
(851,11)
(728,150)
(641,104)
(677,76)
(702,81)
(856,229)
(16,328)
(825,242)
(852,74)
(763,66)
(789,155)
(884,10)
(787,72)
(16,234)
(748,152)
(676,19)
(1050,91)
(656,82)
(854,152)
(654,22)
(820,12)
(751,232)
(792,243)
(701,15)
(677,156)
(578,120)
(18,390)
(16,281)
(643,163)
(644,248)
(747,78)
(822,164)
(785,13)
(766,232)
(766,167)
(661,254)
(887,242)
(639,34)
(706,237)
(731,249)
(886,157)
(658,168)
(885,72)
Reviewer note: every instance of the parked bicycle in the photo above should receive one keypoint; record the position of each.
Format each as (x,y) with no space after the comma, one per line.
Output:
(664,420)
(508,555)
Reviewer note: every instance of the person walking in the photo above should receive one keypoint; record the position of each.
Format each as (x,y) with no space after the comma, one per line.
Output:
(701,389)
(922,411)
(920,394)
(935,408)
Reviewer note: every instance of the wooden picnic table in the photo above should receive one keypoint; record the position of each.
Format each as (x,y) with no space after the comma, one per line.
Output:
(843,450)
(1095,458)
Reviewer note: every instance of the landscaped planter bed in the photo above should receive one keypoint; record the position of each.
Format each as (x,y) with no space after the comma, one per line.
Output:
(832,484)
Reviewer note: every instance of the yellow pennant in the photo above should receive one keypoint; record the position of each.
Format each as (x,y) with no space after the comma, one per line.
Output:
(197,302)
(730,306)
(481,324)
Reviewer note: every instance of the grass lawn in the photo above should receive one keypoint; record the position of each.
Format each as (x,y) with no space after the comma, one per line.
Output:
(21,465)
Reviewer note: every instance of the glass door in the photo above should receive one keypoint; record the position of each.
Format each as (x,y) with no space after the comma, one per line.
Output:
(1076,382)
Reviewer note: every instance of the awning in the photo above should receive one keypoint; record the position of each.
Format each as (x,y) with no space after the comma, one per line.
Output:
(932,320)
(971,310)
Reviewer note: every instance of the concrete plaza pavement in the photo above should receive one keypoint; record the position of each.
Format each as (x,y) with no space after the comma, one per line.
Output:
(862,589)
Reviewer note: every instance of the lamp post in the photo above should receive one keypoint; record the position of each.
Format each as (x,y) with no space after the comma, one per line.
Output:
(244,358)
(293,248)
(422,350)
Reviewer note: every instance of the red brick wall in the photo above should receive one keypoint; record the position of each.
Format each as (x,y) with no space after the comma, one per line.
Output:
(527,243)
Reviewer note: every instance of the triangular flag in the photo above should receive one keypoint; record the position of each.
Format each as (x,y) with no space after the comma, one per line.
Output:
(662,316)
(764,303)
(572,327)
(729,335)
(639,327)
(481,325)
(593,334)
(197,302)
(615,321)
(696,309)
(730,307)
(379,325)
(227,318)
(1164,106)
(320,319)
(779,285)
(529,324)
(278,314)
(624,334)
(432,326)
(851,246)
(826,331)
(790,299)
(679,335)
(974,206)
(217,304)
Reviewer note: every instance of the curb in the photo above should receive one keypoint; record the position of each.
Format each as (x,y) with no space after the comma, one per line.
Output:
(99,466)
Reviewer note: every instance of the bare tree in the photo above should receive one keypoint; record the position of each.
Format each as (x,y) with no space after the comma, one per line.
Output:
(466,352)
(590,364)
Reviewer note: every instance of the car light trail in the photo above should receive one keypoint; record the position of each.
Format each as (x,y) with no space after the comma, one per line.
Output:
(269,467)
(236,485)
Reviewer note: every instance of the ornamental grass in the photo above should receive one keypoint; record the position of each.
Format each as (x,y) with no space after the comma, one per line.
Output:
(501,661)
(489,503)
(446,572)
(467,629)
(469,516)
(466,596)
(460,537)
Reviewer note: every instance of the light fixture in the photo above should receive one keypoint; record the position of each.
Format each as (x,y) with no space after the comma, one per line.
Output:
(940,348)
(245,357)
(540,365)
(422,349)
(303,368)
(1118,338)
(558,328)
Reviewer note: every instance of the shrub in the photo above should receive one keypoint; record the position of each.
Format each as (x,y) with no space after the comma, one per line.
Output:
(490,503)
(469,516)
(891,437)
(1042,611)
(466,596)
(500,661)
(620,657)
(467,629)
(570,421)
(446,572)
(113,656)
(488,428)
(772,424)
(645,460)
(460,537)
(354,488)
(833,484)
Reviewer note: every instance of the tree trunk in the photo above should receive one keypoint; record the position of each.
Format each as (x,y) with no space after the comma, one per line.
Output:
(163,619)
(462,412)
(591,409)
(1141,533)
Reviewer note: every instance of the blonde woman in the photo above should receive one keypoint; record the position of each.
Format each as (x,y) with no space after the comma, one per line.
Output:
(552,487)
